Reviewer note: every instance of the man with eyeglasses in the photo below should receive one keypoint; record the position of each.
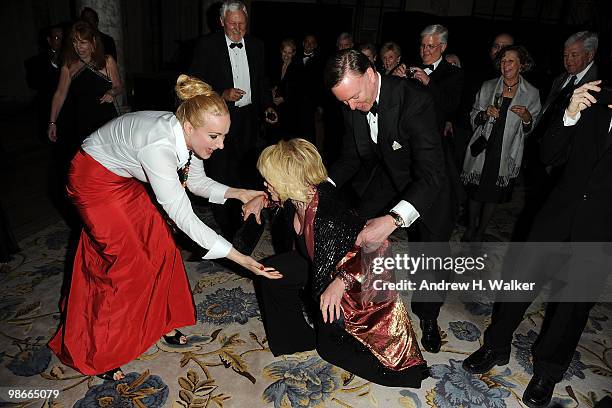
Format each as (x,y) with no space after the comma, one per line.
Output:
(445,83)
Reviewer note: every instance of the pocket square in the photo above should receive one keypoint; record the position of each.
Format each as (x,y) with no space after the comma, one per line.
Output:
(396,146)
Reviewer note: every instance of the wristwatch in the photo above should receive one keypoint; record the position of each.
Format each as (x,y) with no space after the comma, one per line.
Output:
(397,219)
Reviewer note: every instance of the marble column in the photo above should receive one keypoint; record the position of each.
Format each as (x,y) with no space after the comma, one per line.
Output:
(111,23)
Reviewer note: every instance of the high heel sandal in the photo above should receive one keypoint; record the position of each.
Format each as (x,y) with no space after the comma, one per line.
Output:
(110,374)
(175,339)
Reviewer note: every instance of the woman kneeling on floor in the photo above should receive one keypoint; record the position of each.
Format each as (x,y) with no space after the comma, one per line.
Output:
(359,329)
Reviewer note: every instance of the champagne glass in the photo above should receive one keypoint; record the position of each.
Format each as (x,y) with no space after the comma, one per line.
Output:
(497,103)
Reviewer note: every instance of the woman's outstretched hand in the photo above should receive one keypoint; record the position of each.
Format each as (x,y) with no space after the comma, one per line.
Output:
(252,265)
(254,207)
(330,300)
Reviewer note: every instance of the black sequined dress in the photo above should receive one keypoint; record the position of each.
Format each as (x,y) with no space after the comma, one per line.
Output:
(284,301)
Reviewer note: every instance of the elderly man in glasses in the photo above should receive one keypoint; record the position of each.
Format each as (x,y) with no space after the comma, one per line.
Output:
(445,83)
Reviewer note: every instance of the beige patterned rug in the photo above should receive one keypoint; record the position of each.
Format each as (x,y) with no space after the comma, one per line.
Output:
(227,362)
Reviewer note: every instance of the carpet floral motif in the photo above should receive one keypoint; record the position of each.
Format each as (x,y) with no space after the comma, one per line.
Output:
(227,362)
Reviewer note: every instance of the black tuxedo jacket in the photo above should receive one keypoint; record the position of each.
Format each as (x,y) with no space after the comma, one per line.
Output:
(211,63)
(312,78)
(446,86)
(410,151)
(580,206)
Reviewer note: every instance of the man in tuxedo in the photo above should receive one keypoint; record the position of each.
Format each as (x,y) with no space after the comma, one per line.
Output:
(312,89)
(445,83)
(443,80)
(580,68)
(393,156)
(233,64)
(577,210)
(42,75)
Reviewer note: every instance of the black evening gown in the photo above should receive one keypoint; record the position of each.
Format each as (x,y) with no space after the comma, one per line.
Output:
(487,191)
(87,87)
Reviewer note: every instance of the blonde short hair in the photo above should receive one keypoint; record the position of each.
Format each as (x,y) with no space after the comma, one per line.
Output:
(197,98)
(292,167)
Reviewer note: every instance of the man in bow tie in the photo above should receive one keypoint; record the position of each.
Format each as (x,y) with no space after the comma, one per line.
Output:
(444,80)
(445,84)
(312,87)
(393,158)
(232,62)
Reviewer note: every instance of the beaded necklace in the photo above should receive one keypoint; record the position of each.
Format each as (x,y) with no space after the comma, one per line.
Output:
(184,171)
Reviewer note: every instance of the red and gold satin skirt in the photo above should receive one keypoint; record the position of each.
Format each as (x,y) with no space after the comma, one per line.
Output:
(129,285)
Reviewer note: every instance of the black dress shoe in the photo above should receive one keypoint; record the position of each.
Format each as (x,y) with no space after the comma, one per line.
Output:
(539,392)
(484,359)
(430,339)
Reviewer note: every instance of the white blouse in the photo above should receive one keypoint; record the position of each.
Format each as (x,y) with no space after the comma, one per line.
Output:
(150,146)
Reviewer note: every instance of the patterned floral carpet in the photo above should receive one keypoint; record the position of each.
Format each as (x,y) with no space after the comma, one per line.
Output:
(227,362)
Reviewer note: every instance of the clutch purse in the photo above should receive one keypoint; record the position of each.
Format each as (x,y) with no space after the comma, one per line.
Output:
(478,146)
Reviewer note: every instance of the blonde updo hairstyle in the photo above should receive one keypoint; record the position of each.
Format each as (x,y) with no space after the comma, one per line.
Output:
(292,167)
(197,98)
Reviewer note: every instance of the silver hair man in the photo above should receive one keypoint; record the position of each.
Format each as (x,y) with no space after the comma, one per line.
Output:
(232,5)
(589,40)
(436,29)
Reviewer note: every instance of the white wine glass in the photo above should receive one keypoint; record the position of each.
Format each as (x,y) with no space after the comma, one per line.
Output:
(497,103)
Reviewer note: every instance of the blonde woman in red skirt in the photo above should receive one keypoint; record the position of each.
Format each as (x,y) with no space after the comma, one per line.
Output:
(129,286)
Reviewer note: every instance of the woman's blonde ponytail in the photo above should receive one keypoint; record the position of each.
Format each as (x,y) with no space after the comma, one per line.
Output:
(197,98)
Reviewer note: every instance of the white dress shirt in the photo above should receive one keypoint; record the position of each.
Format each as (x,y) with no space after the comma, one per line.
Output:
(240,71)
(404,209)
(150,146)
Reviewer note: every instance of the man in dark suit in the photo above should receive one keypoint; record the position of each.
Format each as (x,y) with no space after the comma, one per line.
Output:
(577,210)
(443,80)
(233,64)
(445,83)
(580,68)
(393,156)
(312,86)
(42,75)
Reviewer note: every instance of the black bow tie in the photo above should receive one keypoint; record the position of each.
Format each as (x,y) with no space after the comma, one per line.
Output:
(425,66)
(374,108)
(234,45)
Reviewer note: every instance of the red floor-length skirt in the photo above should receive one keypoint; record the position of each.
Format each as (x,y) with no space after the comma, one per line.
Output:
(129,285)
